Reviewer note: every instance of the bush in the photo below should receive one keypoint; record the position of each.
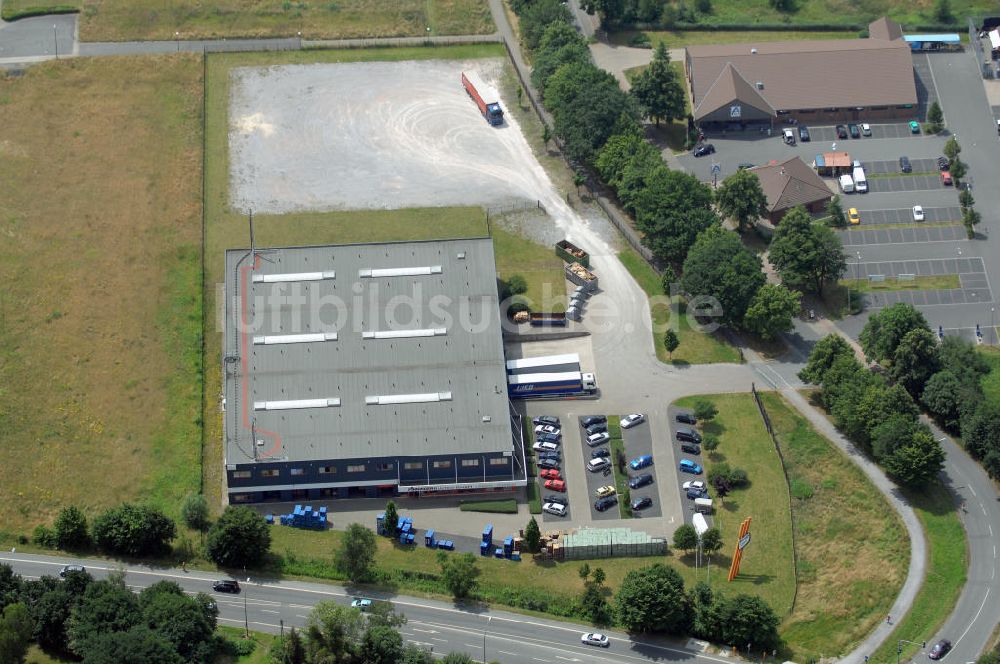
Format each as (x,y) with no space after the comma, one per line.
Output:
(44,537)
(133,530)
(240,538)
(194,512)
(494,506)
(71,529)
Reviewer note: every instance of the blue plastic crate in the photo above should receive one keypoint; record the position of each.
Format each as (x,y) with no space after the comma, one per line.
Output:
(484,548)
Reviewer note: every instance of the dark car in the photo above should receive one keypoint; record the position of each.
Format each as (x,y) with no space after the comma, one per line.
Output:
(904,165)
(556,498)
(693,493)
(691,448)
(549,437)
(704,149)
(604,503)
(593,419)
(600,452)
(743,165)
(686,418)
(640,481)
(841,131)
(226,586)
(641,503)
(688,435)
(855,130)
(549,455)
(803,133)
(943,163)
(551,420)
(597,427)
(69,569)
(548,463)
(940,649)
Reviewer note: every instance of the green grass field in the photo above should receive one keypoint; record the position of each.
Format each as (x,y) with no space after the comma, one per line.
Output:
(540,267)
(122,20)
(494,506)
(768,567)
(937,282)
(852,550)
(100,310)
(695,347)
(620,479)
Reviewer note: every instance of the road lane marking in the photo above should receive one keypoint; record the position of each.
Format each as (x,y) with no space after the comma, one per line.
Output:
(504,652)
(269,611)
(299,615)
(434,638)
(469,645)
(975,617)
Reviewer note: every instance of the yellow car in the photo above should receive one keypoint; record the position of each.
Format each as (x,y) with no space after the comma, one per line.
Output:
(853,216)
(607,490)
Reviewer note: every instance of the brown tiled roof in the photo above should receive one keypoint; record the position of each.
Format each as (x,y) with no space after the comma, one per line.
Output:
(885,28)
(729,86)
(837,159)
(790,183)
(812,74)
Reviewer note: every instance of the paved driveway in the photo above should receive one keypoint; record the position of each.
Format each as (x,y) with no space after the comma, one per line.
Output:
(904,183)
(885,166)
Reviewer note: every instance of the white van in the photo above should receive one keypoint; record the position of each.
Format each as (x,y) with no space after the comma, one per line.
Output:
(860,183)
(846,184)
(703,505)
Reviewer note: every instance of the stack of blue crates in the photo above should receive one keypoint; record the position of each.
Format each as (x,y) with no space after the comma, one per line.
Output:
(487,543)
(433,543)
(305,517)
(405,529)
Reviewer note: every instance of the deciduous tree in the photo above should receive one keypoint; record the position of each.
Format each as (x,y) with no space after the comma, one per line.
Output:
(749,619)
(585,102)
(917,462)
(771,311)
(15,633)
(671,341)
(952,148)
(826,351)
(356,554)
(942,397)
(658,89)
(915,360)
(240,538)
(886,328)
(685,538)
(740,197)
(806,255)
(711,540)
(71,529)
(194,512)
(719,266)
(133,530)
(106,606)
(652,599)
(704,410)
(459,573)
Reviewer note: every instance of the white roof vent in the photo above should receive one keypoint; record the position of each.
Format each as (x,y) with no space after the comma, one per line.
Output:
(753,51)
(760,85)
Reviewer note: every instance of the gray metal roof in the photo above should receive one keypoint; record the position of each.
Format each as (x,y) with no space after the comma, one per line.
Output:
(447,290)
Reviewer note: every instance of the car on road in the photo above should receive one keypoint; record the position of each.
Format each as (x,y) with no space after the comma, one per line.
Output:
(695,493)
(555,485)
(546,428)
(841,131)
(600,463)
(604,491)
(914,127)
(596,439)
(686,418)
(640,462)
(595,639)
(593,419)
(549,437)
(866,129)
(918,213)
(546,419)
(549,474)
(543,446)
(689,466)
(557,509)
(693,484)
(555,498)
(704,149)
(855,131)
(853,216)
(804,133)
(600,452)
(602,504)
(946,178)
(362,604)
(547,464)
(640,481)
(943,163)
(632,420)
(67,569)
(690,448)
(597,427)
(788,136)
(226,586)
(940,649)
(641,503)
(904,165)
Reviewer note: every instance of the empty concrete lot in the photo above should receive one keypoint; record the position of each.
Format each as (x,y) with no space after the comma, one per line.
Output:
(370,135)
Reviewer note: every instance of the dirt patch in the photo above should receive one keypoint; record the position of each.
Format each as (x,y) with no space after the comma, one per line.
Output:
(100,264)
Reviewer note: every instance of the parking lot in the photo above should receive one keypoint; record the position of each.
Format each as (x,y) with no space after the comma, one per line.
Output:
(686,503)
(889,167)
(860,236)
(828,133)
(901,215)
(639,442)
(971,272)
(877,185)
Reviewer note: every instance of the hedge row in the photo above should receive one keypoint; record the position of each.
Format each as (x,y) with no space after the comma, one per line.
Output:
(11,15)
(780,27)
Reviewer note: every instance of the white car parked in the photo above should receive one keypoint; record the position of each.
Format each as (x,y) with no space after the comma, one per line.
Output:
(546,428)
(596,439)
(545,447)
(554,508)
(600,463)
(693,484)
(595,639)
(918,213)
(632,420)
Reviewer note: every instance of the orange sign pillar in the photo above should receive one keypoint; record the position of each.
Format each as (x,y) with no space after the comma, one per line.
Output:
(741,544)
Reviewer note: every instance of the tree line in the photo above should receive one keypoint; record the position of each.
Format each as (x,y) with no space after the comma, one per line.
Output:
(879,409)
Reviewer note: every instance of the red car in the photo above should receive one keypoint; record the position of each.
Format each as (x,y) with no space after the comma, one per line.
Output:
(946,178)
(550,474)
(555,485)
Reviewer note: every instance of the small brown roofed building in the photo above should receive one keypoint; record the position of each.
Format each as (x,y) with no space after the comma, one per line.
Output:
(832,164)
(790,183)
(837,80)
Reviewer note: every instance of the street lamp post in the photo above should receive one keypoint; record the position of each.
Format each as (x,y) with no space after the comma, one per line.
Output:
(246,615)
(55,41)
(857,266)
(177,40)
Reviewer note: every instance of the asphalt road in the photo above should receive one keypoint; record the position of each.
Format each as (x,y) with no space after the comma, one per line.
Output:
(444,627)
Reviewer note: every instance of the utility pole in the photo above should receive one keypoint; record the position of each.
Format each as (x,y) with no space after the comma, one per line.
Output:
(55,41)
(246,615)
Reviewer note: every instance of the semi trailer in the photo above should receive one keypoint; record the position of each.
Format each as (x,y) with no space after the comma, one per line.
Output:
(542,385)
(485,96)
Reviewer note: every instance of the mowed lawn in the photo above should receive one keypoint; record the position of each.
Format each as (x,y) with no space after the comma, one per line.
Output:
(124,20)
(695,347)
(768,568)
(852,549)
(100,309)
(539,265)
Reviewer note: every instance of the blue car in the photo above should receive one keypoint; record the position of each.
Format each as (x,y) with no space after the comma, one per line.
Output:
(689,466)
(640,462)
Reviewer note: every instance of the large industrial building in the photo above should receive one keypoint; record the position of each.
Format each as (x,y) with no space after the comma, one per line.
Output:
(829,80)
(366,370)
